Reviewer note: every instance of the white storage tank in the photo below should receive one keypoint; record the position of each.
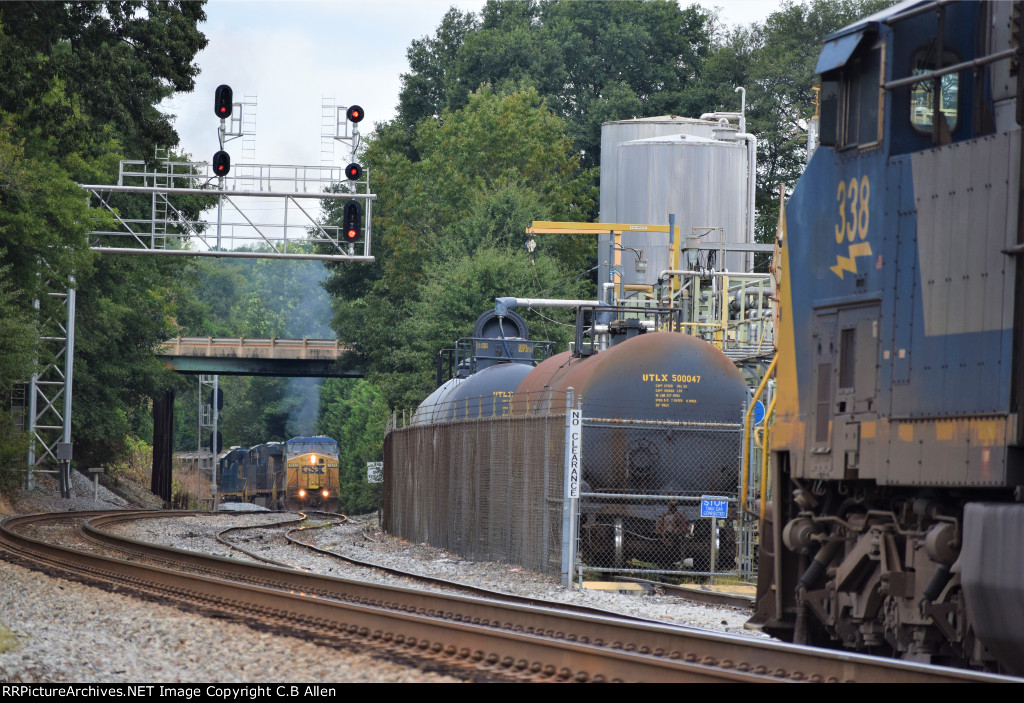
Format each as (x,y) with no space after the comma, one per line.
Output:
(655,166)
(615,133)
(703,181)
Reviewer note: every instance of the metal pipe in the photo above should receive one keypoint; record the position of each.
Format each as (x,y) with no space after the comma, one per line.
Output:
(319,195)
(751,141)
(503,305)
(766,440)
(69,360)
(743,107)
(715,274)
(955,68)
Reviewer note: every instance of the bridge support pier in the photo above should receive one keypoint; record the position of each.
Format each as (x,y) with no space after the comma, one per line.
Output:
(163,446)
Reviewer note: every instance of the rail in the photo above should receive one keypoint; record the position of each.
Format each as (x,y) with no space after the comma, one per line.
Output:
(502,640)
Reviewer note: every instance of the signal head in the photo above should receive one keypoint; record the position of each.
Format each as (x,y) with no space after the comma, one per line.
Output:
(353,215)
(354,114)
(353,172)
(222,101)
(221,163)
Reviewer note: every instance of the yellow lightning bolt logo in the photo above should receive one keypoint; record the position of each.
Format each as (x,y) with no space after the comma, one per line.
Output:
(849,263)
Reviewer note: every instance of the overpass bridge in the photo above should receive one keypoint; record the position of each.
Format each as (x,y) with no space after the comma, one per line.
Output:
(228,356)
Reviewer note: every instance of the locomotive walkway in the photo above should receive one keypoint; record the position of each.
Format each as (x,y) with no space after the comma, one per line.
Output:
(260,357)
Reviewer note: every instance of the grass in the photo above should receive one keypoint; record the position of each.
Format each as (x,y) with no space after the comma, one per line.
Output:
(8,640)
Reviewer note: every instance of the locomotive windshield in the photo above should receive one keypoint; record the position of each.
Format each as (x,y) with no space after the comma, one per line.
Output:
(318,445)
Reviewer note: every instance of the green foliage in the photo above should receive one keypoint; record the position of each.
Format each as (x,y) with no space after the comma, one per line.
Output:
(499,147)
(13,453)
(581,57)
(453,296)
(449,229)
(17,335)
(255,298)
(775,62)
(123,59)
(81,90)
(355,413)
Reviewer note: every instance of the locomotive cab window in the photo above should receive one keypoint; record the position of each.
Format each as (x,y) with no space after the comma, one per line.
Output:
(923,103)
(863,100)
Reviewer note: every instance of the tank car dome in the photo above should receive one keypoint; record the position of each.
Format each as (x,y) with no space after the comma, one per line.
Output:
(484,394)
(656,376)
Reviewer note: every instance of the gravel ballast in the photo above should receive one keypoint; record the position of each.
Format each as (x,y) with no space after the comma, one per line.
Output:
(69,632)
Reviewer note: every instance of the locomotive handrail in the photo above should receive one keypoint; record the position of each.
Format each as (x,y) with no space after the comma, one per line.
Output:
(955,68)
(766,442)
(747,425)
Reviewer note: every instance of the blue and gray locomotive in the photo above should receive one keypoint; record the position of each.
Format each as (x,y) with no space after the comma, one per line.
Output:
(897,520)
(297,474)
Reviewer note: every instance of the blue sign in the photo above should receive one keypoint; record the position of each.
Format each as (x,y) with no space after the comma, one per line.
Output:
(714,506)
(758,412)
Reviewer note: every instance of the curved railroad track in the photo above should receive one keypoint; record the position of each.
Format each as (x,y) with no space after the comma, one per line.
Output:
(291,536)
(480,637)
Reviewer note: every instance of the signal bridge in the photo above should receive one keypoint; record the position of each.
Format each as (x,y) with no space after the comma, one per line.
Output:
(297,194)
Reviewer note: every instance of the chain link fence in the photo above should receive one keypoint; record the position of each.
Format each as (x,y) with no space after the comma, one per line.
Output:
(490,487)
(641,499)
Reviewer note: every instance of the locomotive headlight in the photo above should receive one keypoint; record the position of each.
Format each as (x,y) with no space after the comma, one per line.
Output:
(312,459)
(325,493)
(302,493)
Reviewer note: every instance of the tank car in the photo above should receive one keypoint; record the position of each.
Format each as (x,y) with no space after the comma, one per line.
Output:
(662,413)
(487,368)
(896,521)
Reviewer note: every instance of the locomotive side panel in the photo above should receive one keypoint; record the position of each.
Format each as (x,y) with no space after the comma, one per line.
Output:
(899,343)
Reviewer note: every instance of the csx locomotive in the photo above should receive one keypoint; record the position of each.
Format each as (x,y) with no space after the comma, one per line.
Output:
(298,474)
(897,524)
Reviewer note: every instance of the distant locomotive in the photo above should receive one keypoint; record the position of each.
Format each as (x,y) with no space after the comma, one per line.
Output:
(298,474)
(897,465)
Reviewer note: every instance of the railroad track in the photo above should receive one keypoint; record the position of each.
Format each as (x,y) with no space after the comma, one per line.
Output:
(292,537)
(480,637)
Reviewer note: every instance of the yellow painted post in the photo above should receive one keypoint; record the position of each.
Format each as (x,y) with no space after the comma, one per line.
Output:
(766,442)
(747,423)
(725,312)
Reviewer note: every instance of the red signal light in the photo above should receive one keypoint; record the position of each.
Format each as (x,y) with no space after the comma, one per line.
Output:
(354,114)
(221,163)
(353,172)
(353,215)
(222,101)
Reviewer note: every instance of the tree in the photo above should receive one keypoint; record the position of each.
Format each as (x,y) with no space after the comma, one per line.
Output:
(257,298)
(354,412)
(775,62)
(581,57)
(484,173)
(82,84)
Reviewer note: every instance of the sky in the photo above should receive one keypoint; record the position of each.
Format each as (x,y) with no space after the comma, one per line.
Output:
(291,54)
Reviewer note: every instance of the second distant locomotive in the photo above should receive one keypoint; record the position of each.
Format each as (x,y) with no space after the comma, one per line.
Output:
(294,475)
